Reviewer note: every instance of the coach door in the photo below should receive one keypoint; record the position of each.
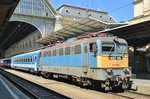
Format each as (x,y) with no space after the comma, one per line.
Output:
(85,54)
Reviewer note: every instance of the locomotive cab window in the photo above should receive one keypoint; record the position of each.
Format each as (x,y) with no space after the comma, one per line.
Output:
(122,48)
(108,47)
(93,47)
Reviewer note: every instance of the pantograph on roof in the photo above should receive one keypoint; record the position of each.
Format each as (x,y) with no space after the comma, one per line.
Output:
(84,26)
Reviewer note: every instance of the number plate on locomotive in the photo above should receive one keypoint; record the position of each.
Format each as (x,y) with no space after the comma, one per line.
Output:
(115,57)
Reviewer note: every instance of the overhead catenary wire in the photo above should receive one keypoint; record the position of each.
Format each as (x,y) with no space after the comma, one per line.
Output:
(121,7)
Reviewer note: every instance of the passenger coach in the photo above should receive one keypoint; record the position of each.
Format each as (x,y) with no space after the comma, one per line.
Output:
(28,61)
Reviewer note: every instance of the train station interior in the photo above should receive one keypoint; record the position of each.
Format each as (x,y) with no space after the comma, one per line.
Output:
(136,31)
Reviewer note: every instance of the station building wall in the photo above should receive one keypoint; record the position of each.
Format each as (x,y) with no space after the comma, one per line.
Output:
(25,45)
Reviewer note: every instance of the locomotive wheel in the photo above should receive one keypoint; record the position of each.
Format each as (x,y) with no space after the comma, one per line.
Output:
(46,75)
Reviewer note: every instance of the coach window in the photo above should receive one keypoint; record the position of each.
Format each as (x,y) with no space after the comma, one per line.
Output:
(54,52)
(28,59)
(35,59)
(67,51)
(78,49)
(60,51)
(31,59)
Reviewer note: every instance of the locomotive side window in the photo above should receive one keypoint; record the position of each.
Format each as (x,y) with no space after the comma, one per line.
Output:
(122,49)
(57,52)
(108,47)
(67,51)
(49,53)
(60,51)
(78,49)
(44,54)
(54,52)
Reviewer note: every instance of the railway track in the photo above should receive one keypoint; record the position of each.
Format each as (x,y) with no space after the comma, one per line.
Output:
(131,95)
(30,89)
(117,94)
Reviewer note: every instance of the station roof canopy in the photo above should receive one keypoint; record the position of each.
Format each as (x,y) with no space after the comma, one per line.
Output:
(83,26)
(137,34)
(7,8)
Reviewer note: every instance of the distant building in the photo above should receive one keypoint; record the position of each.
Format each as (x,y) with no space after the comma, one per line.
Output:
(25,45)
(38,14)
(141,10)
(68,14)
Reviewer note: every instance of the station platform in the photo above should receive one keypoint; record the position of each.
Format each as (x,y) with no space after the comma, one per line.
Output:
(9,91)
(143,83)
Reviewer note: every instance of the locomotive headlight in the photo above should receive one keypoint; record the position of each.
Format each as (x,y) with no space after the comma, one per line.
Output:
(109,71)
(126,71)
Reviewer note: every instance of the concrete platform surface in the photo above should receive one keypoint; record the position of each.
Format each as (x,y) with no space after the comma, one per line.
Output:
(143,86)
(9,91)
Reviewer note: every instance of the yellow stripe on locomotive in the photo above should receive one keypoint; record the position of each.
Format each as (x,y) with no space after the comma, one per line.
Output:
(107,61)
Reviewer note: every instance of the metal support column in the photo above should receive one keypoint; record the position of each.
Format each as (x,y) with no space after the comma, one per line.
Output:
(134,69)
